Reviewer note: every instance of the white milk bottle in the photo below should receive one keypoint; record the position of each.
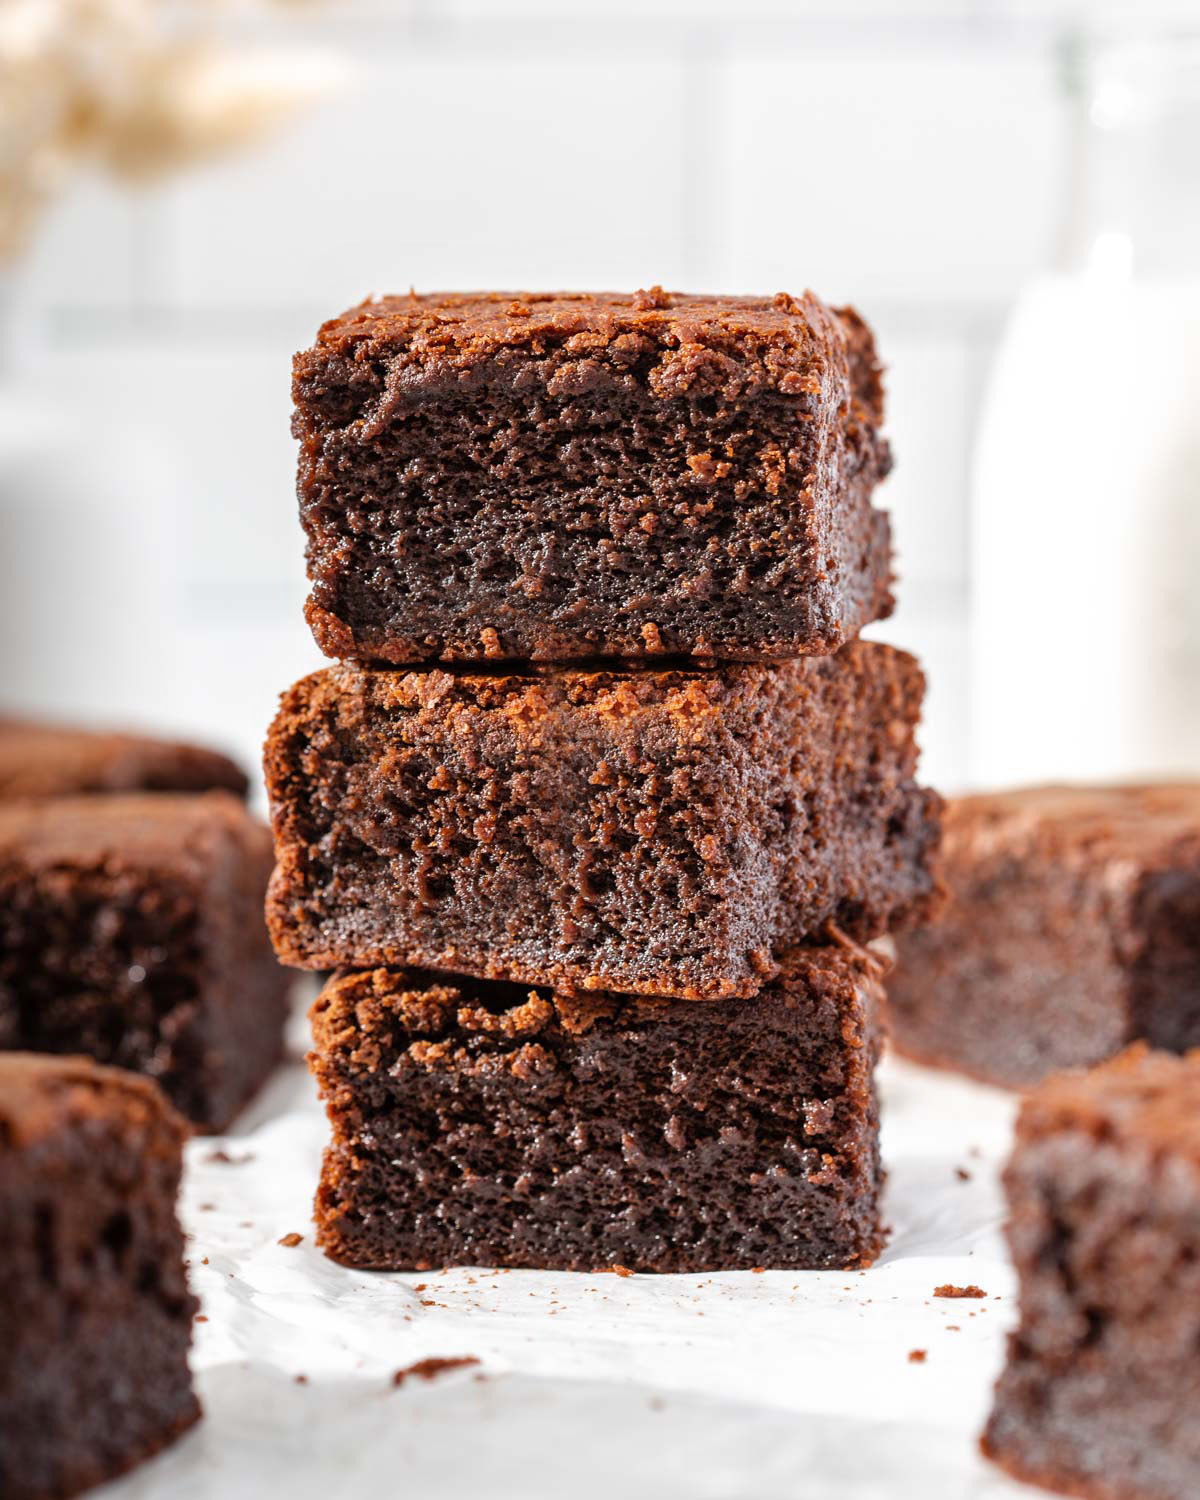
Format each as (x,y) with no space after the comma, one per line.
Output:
(1085,610)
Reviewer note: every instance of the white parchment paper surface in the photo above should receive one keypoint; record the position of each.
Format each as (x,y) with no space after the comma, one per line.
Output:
(714,1387)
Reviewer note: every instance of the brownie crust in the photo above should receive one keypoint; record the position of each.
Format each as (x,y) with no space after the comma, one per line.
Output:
(653,833)
(131,930)
(95,1312)
(1072,928)
(548,477)
(54,760)
(1099,1395)
(483,1124)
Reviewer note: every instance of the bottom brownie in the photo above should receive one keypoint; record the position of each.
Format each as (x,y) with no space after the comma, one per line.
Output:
(95,1313)
(480,1123)
(1102,1387)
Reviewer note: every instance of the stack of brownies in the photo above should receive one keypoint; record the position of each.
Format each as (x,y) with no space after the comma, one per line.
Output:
(605,795)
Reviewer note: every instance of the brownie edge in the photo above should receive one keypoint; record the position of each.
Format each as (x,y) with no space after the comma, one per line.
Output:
(476,1123)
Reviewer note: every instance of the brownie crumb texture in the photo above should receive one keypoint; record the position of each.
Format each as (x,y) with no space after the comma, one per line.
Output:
(917,1356)
(290,1241)
(949,1290)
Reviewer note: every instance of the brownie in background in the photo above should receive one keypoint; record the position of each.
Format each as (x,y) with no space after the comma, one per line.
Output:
(131,929)
(556,476)
(482,1124)
(53,760)
(652,832)
(1073,928)
(95,1313)
(1102,1386)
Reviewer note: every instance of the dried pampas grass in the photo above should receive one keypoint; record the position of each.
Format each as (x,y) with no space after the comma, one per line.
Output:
(138,87)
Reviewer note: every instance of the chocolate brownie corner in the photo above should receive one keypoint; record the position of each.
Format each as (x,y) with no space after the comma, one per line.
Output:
(95,1312)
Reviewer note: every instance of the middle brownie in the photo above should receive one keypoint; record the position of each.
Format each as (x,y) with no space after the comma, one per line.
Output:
(656,833)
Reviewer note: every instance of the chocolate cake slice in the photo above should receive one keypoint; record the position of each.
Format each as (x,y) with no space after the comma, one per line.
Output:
(653,833)
(484,1124)
(556,476)
(95,1313)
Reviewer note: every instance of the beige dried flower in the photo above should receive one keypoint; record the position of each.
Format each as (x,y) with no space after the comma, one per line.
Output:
(138,87)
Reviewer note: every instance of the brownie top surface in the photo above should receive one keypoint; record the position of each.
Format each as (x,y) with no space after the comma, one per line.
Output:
(616,693)
(39,759)
(1141,1097)
(146,827)
(40,1095)
(431,1003)
(1107,820)
(494,320)
(794,345)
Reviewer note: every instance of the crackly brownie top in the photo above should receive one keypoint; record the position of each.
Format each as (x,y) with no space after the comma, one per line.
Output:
(46,760)
(530,697)
(41,1095)
(1141,1098)
(696,343)
(148,828)
(1102,822)
(433,1006)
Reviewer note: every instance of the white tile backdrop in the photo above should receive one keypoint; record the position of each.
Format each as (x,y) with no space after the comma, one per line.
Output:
(908,157)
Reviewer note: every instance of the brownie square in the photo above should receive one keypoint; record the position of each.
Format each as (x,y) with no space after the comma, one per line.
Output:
(131,929)
(477,1123)
(548,477)
(653,833)
(95,1313)
(1100,1393)
(53,760)
(1073,927)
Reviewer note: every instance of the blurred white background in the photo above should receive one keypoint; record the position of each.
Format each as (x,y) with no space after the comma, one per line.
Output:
(912,158)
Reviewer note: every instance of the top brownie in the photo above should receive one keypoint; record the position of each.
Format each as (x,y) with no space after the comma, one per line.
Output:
(550,477)
(53,760)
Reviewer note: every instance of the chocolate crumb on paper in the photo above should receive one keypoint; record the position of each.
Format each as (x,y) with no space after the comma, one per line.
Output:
(916,1356)
(431,1368)
(949,1290)
(290,1241)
